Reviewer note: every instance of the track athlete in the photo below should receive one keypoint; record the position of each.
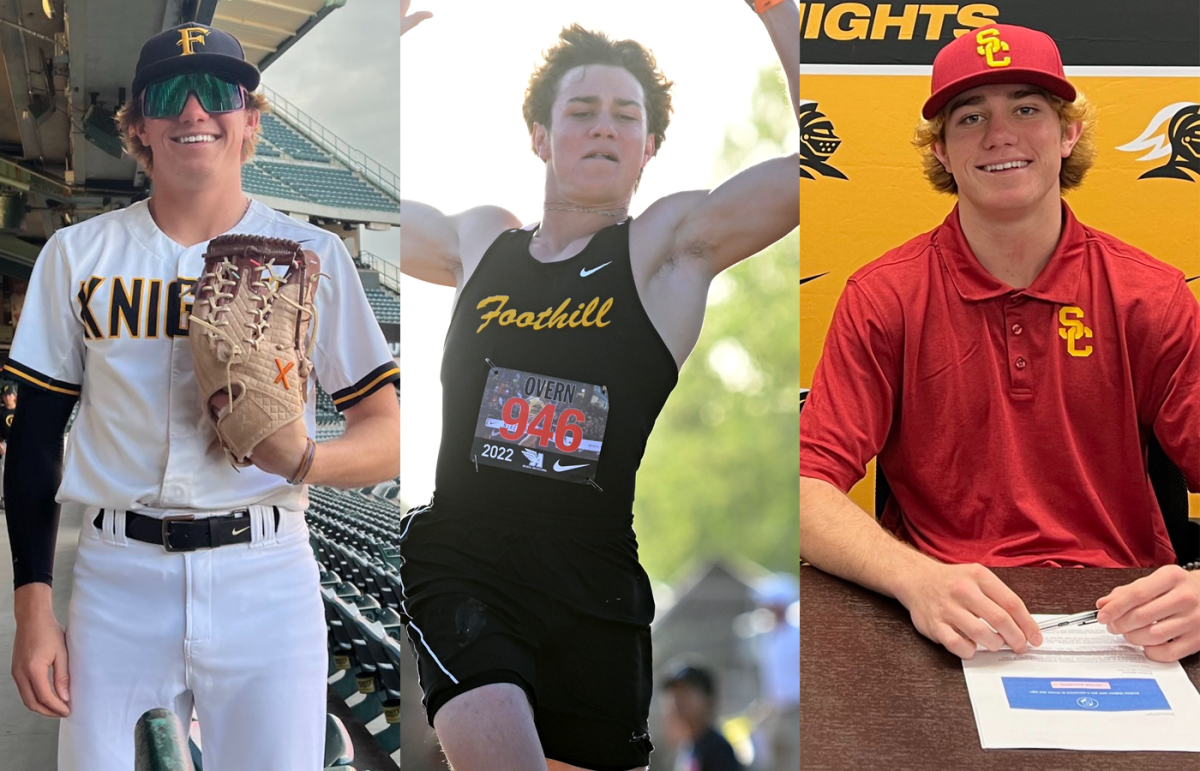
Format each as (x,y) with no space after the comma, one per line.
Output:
(194,582)
(526,606)
(1006,369)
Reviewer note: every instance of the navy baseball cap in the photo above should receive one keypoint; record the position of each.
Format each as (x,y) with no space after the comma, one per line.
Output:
(688,674)
(193,47)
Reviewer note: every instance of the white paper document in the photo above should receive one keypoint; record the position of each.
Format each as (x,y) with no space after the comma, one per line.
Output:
(1082,689)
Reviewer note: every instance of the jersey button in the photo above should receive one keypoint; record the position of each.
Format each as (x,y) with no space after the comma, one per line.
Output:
(1020,362)
(1017,329)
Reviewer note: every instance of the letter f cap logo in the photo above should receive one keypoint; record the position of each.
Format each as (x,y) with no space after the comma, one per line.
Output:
(189,37)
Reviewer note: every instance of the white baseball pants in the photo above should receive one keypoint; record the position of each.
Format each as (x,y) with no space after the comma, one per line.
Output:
(238,631)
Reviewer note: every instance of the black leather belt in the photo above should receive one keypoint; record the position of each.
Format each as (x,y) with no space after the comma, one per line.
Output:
(185,533)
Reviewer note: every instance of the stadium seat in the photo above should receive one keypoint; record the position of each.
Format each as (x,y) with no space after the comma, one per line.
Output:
(387,680)
(339,750)
(159,744)
(364,672)
(341,650)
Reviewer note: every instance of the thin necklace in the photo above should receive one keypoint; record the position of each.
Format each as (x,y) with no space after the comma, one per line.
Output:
(564,206)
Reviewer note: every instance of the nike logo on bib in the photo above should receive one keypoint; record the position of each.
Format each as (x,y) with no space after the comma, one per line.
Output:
(584,272)
(239,532)
(558,466)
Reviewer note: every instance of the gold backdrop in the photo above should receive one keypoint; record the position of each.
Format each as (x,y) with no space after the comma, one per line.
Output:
(885,200)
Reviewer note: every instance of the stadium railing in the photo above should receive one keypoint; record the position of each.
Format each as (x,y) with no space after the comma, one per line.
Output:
(385,178)
(389,273)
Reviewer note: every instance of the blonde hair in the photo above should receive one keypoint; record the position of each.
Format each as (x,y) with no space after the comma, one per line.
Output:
(1074,167)
(129,116)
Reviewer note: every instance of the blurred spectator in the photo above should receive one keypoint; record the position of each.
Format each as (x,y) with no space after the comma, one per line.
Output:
(8,406)
(688,703)
(777,745)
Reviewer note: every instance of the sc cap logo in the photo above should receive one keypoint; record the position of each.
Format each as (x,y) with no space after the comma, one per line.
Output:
(990,44)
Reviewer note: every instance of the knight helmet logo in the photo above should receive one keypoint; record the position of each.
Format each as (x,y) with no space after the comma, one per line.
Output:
(190,37)
(1173,133)
(818,142)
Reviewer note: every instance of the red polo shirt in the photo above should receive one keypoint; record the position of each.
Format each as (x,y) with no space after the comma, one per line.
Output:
(1012,424)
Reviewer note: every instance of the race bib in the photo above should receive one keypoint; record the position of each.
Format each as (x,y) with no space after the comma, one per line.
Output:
(541,425)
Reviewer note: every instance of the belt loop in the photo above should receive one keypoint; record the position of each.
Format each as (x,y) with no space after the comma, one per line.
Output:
(262,520)
(105,526)
(112,527)
(118,526)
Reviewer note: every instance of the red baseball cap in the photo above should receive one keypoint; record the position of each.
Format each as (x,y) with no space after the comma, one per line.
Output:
(997,53)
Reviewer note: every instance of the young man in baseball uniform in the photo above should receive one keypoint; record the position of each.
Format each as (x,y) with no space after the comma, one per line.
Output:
(1006,368)
(524,599)
(194,582)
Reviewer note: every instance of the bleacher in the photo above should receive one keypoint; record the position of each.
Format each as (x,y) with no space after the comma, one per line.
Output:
(289,166)
(331,185)
(354,538)
(386,305)
(286,139)
(256,180)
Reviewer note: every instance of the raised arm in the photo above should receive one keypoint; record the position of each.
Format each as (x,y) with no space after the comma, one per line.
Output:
(444,249)
(783,25)
(410,20)
(437,247)
(757,206)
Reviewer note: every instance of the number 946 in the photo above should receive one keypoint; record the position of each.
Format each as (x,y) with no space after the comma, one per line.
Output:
(567,433)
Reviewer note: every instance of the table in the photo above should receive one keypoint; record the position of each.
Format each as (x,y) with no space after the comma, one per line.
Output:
(876,694)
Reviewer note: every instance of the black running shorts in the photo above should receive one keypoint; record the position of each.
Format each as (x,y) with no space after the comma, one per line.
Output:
(561,611)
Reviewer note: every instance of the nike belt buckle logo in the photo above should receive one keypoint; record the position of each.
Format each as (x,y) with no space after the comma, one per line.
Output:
(558,466)
(584,272)
(239,532)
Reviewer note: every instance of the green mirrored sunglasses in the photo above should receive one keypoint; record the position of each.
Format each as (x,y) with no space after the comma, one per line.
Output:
(166,98)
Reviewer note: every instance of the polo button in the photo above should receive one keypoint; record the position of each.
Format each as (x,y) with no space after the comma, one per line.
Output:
(1014,300)
(1017,329)
(1020,363)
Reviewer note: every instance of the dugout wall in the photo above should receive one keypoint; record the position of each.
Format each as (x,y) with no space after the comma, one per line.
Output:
(864,75)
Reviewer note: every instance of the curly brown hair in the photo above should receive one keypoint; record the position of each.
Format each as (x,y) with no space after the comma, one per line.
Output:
(1074,167)
(578,47)
(130,115)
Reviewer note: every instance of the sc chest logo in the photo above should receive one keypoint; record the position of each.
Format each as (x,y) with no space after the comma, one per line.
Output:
(1073,330)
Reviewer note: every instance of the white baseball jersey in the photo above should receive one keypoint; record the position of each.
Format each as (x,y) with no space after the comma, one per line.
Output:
(106,317)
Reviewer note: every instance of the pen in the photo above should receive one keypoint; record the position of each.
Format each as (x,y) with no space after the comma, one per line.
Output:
(1079,618)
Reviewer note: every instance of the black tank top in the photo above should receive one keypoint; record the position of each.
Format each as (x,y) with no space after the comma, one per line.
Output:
(615,346)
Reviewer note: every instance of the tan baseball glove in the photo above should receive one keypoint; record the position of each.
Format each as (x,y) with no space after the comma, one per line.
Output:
(252,330)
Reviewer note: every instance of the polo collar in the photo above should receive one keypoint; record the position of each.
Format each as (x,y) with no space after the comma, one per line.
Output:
(1057,283)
